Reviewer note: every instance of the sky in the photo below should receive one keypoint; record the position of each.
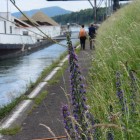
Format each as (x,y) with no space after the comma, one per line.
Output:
(26,5)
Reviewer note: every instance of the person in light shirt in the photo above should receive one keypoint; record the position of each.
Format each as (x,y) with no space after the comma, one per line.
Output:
(82,37)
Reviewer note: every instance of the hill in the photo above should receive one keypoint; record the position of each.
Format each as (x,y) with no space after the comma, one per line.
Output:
(50,11)
(85,16)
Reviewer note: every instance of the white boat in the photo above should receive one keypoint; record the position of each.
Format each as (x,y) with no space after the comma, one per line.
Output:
(22,36)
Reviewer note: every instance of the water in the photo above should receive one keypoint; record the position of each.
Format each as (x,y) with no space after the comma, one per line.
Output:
(17,74)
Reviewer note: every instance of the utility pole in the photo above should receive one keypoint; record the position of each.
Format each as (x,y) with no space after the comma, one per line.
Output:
(7,10)
(116,5)
(95,11)
(109,7)
(106,8)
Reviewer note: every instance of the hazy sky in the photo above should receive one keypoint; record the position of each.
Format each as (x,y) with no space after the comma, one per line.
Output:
(35,4)
(26,5)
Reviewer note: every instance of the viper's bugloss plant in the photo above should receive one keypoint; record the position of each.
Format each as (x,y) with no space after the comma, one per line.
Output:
(110,136)
(83,120)
(120,93)
(133,91)
(68,122)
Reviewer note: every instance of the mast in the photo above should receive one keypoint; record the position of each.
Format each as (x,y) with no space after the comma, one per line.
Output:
(95,11)
(116,5)
(7,10)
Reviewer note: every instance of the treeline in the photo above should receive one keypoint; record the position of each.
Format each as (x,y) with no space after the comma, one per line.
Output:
(82,17)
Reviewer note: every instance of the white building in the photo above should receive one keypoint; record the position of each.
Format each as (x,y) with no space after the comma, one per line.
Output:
(24,31)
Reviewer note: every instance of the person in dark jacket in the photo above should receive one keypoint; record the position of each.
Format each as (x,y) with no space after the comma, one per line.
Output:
(92,33)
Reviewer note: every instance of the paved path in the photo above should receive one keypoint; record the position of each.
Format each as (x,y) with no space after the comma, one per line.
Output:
(49,111)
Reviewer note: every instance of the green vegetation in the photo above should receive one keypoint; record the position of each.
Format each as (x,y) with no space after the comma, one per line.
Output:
(10,131)
(81,17)
(6,109)
(40,97)
(59,73)
(114,78)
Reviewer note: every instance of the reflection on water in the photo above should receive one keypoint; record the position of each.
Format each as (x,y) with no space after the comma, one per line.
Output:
(17,74)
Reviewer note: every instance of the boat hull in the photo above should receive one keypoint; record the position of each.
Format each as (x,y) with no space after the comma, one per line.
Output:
(16,50)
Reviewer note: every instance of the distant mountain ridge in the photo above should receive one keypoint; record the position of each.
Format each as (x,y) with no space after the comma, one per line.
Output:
(49,11)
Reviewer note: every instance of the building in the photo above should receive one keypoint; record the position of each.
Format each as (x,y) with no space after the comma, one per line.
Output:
(22,34)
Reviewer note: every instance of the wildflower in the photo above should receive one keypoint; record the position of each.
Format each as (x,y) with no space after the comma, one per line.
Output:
(133,91)
(78,100)
(110,136)
(68,122)
(120,93)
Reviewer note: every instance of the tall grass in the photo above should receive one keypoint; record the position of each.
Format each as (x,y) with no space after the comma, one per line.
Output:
(114,78)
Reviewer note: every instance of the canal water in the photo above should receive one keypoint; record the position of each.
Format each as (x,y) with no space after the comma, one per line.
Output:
(17,74)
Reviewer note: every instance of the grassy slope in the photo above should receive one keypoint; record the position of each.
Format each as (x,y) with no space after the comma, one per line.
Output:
(117,50)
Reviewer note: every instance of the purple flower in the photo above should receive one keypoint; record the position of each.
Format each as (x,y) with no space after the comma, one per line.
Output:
(78,100)
(120,93)
(65,108)
(110,136)
(133,91)
(82,85)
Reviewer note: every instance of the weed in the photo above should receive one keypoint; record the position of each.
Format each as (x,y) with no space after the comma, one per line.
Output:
(10,131)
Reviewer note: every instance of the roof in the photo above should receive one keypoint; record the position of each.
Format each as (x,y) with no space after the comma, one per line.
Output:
(41,17)
(21,22)
(23,18)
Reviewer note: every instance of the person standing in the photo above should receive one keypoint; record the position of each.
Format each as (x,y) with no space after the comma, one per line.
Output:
(82,36)
(92,33)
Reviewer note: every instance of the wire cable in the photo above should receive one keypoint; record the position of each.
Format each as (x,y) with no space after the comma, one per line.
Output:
(19,27)
(36,26)
(98,6)
(91,4)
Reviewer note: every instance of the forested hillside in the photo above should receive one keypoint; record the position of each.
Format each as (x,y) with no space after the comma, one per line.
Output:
(49,11)
(82,17)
